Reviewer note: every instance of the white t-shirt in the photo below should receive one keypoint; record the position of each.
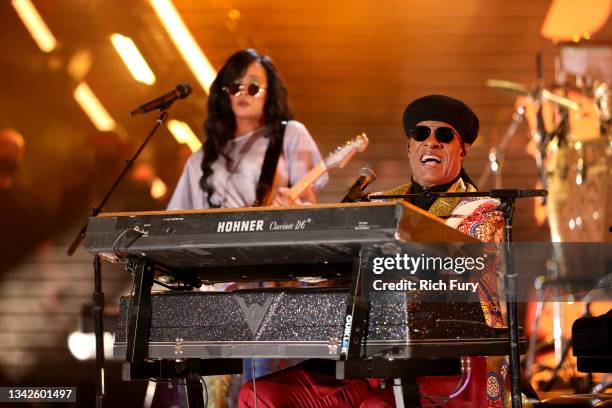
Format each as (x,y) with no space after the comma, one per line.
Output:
(235,187)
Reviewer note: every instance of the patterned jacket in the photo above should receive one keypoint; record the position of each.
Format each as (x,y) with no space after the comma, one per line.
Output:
(481,218)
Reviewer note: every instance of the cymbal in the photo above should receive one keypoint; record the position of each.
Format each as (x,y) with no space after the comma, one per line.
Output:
(560,100)
(503,85)
(521,89)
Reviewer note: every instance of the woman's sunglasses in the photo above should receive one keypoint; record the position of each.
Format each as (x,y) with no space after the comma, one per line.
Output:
(251,89)
(444,134)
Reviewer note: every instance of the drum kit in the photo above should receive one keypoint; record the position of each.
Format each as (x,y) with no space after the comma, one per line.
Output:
(571,142)
(570,127)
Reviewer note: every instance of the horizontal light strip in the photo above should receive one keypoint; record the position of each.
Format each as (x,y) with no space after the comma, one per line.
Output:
(133,59)
(200,66)
(35,25)
(93,108)
(184,135)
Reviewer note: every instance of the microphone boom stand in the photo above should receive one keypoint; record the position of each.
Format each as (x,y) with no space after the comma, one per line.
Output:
(508,198)
(98,295)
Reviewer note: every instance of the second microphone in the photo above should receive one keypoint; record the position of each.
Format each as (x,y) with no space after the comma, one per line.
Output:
(366,176)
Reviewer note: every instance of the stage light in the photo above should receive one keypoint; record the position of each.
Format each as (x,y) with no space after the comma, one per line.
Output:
(158,188)
(234,14)
(35,25)
(93,108)
(198,63)
(183,134)
(83,345)
(79,65)
(571,20)
(133,59)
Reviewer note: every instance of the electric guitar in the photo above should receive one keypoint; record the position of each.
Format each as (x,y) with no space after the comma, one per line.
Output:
(336,159)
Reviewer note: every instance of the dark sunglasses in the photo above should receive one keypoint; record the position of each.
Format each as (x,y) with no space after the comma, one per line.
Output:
(251,89)
(444,134)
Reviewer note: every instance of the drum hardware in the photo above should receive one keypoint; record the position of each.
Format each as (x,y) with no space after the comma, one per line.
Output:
(569,155)
(550,286)
(602,104)
(496,155)
(603,385)
(581,168)
(556,162)
(541,135)
(534,98)
(591,339)
(531,350)
(542,93)
(494,160)
(593,303)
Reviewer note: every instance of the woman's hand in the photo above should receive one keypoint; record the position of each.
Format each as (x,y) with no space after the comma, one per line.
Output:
(282,197)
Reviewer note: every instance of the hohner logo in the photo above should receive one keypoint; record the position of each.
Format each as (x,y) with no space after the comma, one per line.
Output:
(240,226)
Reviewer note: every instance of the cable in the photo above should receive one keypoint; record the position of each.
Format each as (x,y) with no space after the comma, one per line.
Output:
(181,288)
(466,367)
(122,256)
(466,375)
(127,311)
(435,404)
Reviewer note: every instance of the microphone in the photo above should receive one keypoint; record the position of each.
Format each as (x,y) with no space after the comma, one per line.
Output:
(366,176)
(163,102)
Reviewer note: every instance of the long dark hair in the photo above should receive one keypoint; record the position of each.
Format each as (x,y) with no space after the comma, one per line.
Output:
(220,124)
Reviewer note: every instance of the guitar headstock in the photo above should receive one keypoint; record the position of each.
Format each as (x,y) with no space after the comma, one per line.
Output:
(343,154)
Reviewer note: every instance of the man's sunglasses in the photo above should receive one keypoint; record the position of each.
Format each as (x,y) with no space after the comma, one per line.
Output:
(251,89)
(444,134)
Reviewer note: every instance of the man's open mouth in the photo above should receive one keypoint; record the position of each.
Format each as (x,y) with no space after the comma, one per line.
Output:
(430,159)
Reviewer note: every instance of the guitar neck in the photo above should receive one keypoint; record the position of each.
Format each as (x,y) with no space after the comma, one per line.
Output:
(307,180)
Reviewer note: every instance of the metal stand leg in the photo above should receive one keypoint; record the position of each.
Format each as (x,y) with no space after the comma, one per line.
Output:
(139,315)
(496,156)
(191,392)
(149,394)
(511,296)
(540,281)
(397,393)
(548,385)
(98,307)
(410,392)
(558,325)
